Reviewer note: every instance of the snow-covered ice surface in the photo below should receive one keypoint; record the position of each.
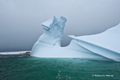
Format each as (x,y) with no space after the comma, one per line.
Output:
(13,53)
(103,46)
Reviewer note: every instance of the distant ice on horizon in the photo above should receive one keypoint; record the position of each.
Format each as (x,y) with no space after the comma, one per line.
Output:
(103,46)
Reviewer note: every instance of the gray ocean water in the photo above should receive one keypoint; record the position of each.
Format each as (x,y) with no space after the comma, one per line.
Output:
(58,69)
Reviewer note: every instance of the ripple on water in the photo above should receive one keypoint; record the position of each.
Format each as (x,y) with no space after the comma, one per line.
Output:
(57,69)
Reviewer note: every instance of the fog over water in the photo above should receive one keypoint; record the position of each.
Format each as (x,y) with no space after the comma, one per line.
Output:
(20,20)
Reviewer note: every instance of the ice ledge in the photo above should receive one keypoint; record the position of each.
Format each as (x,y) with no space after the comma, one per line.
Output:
(109,39)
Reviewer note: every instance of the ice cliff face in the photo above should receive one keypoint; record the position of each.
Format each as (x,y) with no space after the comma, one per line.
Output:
(53,31)
(103,46)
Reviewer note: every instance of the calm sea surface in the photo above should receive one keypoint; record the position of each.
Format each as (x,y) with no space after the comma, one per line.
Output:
(57,69)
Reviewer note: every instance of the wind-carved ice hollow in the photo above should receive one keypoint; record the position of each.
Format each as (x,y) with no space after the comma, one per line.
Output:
(102,46)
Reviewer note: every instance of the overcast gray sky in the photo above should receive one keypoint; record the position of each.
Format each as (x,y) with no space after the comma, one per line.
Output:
(20,20)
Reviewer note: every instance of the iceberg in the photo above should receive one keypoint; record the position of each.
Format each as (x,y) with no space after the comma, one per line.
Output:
(102,46)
